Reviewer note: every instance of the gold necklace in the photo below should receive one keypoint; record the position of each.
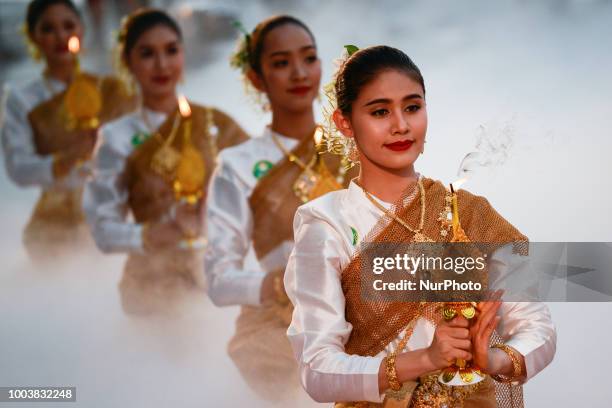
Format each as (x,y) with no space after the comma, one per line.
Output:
(166,158)
(418,234)
(290,156)
(314,180)
(145,118)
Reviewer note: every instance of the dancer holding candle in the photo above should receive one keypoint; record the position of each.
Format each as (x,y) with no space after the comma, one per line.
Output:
(372,350)
(254,194)
(49,128)
(155,164)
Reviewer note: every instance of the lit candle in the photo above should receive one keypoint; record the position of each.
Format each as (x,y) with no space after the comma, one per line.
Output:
(318,137)
(185,110)
(467,374)
(458,233)
(191,170)
(189,175)
(74,46)
(83,100)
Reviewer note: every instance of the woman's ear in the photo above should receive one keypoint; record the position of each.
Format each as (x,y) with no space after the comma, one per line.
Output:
(255,80)
(343,124)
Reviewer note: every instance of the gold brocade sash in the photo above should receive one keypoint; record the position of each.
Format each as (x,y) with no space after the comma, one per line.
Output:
(274,203)
(150,196)
(49,119)
(260,348)
(377,322)
(57,225)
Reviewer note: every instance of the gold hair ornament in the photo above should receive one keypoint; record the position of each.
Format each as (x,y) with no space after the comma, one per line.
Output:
(32,48)
(119,63)
(333,141)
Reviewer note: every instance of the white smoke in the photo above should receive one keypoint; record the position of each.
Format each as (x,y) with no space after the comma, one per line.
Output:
(494,142)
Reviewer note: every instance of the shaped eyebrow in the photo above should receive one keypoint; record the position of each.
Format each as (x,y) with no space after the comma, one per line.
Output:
(386,100)
(305,48)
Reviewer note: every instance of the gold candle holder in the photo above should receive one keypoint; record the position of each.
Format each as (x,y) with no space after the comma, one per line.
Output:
(190,173)
(83,101)
(461,373)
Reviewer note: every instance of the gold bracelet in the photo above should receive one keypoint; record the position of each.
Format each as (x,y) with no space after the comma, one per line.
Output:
(392,372)
(516,364)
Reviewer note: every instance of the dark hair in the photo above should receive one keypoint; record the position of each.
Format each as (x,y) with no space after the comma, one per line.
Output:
(37,8)
(258,36)
(364,65)
(140,22)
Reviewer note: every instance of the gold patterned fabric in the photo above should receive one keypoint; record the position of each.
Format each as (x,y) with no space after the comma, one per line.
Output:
(154,283)
(49,122)
(369,337)
(57,225)
(429,393)
(262,353)
(260,348)
(274,203)
(158,283)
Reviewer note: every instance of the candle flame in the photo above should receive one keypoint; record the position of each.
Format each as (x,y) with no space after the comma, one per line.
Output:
(318,135)
(184,107)
(74,45)
(458,183)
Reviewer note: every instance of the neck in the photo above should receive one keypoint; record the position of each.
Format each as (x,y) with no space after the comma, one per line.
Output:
(63,71)
(383,183)
(296,125)
(165,104)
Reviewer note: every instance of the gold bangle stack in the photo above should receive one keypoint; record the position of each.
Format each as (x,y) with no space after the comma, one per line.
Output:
(516,364)
(392,372)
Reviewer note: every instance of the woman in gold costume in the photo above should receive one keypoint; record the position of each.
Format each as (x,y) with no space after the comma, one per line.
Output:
(254,194)
(49,128)
(152,172)
(364,352)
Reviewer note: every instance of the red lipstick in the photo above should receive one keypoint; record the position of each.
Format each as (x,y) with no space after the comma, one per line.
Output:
(399,146)
(161,79)
(300,90)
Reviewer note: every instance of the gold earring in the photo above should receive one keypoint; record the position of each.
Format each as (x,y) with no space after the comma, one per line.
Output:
(33,51)
(264,102)
(353,153)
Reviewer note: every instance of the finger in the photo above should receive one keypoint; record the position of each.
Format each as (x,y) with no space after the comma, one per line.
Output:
(485,305)
(490,327)
(458,321)
(485,336)
(457,333)
(463,344)
(458,353)
(491,298)
(488,318)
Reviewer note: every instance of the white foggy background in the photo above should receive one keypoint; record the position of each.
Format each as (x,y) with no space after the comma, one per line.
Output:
(537,72)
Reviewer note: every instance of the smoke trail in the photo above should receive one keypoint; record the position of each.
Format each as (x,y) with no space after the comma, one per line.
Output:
(494,143)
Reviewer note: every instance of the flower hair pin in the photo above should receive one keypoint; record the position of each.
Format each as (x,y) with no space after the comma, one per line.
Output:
(240,58)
